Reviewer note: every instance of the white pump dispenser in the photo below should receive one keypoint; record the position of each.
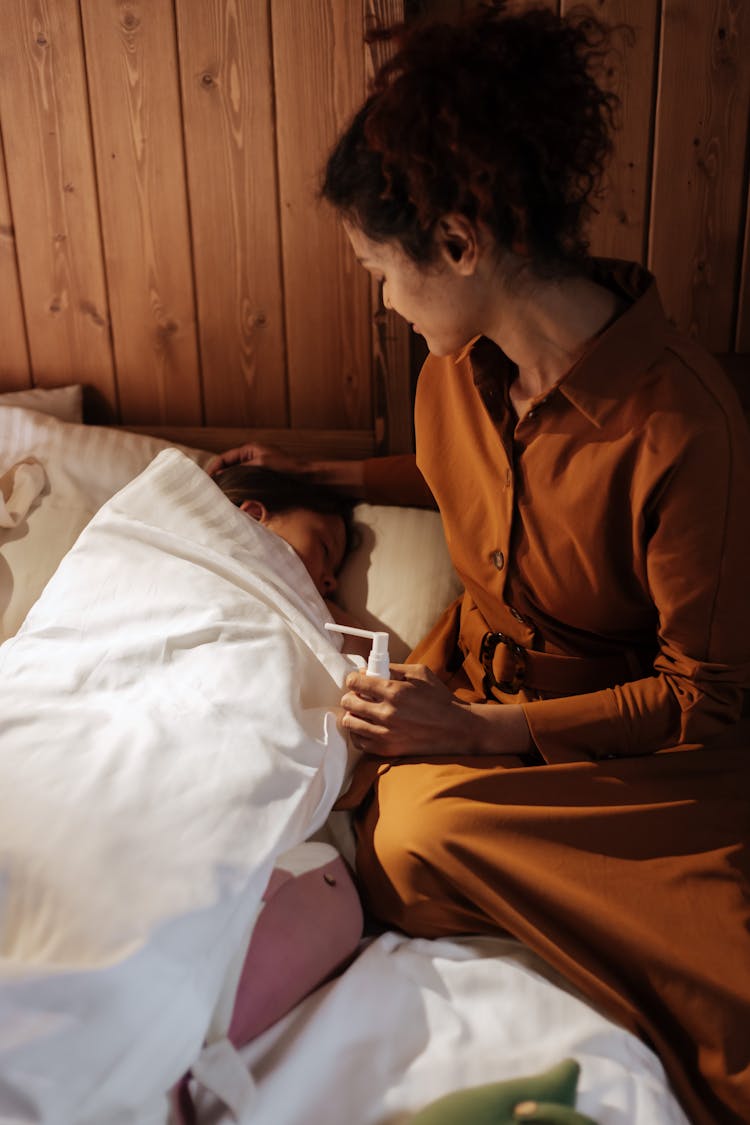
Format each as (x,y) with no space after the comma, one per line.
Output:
(379,662)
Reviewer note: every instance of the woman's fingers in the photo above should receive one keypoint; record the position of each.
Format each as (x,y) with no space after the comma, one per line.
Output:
(252,452)
(411,713)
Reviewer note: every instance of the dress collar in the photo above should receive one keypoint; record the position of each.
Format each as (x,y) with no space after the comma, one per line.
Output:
(604,374)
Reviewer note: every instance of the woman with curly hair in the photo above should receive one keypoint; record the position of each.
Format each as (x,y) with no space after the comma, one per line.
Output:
(559,760)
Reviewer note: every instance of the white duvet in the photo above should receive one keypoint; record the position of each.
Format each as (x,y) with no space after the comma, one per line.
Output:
(165,734)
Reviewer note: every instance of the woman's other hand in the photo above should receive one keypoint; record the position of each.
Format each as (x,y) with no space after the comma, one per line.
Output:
(269,456)
(414,714)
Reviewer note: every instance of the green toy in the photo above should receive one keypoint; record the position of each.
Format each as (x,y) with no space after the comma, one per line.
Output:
(547,1099)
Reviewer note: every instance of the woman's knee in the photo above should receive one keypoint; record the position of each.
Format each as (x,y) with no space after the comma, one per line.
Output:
(401,858)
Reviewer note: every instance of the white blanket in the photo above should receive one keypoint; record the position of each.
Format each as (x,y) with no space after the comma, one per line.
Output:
(165,733)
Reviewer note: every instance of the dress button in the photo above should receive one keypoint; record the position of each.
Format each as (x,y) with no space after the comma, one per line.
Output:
(498,559)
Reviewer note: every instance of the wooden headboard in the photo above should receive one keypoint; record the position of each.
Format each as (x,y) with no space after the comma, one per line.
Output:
(160,239)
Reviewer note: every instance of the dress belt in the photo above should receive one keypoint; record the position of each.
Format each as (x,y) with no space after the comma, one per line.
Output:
(505,666)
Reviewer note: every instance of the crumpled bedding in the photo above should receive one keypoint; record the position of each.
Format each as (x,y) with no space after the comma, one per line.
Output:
(19,488)
(412,1019)
(166,733)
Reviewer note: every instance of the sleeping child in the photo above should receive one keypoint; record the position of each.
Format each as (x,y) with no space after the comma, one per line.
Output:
(315,521)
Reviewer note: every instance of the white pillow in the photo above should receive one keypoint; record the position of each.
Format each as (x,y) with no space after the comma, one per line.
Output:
(399,578)
(65,403)
(85,466)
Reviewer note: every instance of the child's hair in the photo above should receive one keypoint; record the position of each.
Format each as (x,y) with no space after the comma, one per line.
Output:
(495,116)
(283,492)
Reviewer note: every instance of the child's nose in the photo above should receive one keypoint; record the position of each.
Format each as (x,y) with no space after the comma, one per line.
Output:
(330,582)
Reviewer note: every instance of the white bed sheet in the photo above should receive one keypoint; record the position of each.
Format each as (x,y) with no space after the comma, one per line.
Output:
(413,1019)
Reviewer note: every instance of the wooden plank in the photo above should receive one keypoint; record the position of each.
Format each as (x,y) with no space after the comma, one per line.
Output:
(225,70)
(742,341)
(132,70)
(43,104)
(392,392)
(319,81)
(737,368)
(619,228)
(15,373)
(347,445)
(699,161)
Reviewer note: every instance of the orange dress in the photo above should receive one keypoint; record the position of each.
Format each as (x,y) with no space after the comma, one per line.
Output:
(604,543)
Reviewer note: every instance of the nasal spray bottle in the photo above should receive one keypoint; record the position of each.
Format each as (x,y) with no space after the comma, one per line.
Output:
(379,662)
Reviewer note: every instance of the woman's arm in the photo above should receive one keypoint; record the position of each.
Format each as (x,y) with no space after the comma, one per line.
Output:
(378,480)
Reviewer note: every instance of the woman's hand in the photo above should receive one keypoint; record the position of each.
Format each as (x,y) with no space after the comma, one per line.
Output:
(346,477)
(269,456)
(414,714)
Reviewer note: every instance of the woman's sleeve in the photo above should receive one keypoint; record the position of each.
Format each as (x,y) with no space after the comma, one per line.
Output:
(698,571)
(396,480)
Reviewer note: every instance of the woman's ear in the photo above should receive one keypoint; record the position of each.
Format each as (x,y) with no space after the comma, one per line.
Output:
(255,509)
(458,243)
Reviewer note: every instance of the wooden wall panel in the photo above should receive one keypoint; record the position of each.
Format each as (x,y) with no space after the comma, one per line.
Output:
(14,357)
(619,229)
(132,70)
(700,153)
(225,67)
(45,124)
(742,340)
(319,81)
(391,335)
(196,198)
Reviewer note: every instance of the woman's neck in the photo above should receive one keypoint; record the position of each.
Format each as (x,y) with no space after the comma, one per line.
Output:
(544,326)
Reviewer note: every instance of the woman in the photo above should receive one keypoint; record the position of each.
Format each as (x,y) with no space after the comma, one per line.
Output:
(591,467)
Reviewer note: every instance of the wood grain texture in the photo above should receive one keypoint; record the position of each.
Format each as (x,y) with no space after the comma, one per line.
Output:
(225,69)
(15,373)
(392,392)
(347,445)
(319,81)
(619,226)
(132,72)
(742,339)
(700,153)
(44,112)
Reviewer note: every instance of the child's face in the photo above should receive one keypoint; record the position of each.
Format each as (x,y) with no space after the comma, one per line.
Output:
(319,539)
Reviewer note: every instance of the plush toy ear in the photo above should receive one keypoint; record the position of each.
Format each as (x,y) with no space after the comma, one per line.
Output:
(494,1104)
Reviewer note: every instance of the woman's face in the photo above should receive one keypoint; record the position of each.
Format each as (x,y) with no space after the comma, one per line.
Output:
(438,301)
(318,538)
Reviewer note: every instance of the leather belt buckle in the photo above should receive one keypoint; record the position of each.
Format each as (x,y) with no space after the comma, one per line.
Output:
(487,650)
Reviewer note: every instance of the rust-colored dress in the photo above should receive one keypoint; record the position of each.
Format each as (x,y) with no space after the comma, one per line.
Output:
(604,543)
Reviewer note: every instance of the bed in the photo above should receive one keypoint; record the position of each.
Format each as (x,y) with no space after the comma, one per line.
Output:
(138,836)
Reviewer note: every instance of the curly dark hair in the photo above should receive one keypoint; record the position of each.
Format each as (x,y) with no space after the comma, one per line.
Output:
(495,116)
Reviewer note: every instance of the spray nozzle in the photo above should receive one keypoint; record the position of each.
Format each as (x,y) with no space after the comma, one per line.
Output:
(379,662)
